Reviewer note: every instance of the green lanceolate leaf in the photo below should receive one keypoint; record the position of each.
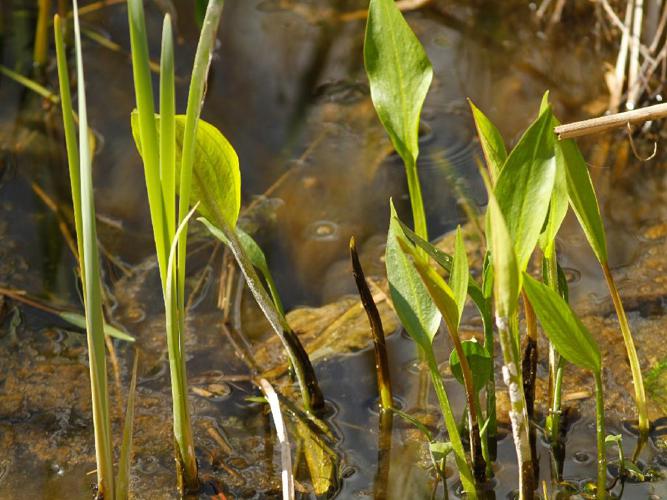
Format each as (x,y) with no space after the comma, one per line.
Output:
(460,274)
(411,299)
(440,291)
(481,364)
(399,73)
(582,198)
(216,175)
(559,202)
(524,186)
(445,261)
(565,331)
(80,321)
(491,141)
(506,277)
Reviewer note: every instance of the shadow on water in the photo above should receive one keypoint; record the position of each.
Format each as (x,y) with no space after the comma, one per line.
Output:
(289,91)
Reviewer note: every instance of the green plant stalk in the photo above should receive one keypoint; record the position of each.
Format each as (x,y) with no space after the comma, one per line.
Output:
(640,395)
(89,262)
(167,137)
(416,203)
(601,493)
(467,478)
(148,131)
(198,82)
(518,414)
(555,367)
(41,48)
(298,358)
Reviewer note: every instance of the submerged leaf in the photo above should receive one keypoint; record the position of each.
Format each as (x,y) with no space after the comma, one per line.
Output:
(481,364)
(565,330)
(399,73)
(80,321)
(491,141)
(410,297)
(216,175)
(525,184)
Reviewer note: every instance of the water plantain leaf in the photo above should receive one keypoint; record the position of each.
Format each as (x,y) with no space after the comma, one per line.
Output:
(481,364)
(399,74)
(440,450)
(559,202)
(563,328)
(411,299)
(582,197)
(445,261)
(460,274)
(216,175)
(506,277)
(440,292)
(80,321)
(491,141)
(524,186)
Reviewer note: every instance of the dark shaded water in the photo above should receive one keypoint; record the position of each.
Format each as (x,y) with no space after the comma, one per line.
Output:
(288,90)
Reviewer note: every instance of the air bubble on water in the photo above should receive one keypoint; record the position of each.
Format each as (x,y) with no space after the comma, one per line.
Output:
(322,230)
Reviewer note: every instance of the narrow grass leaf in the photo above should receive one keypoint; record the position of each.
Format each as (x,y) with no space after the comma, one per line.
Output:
(411,299)
(460,274)
(481,364)
(524,186)
(93,287)
(167,124)
(80,321)
(399,73)
(565,330)
(491,141)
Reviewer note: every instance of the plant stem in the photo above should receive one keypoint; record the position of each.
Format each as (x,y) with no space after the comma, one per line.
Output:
(416,202)
(640,395)
(381,359)
(467,479)
(599,423)
(40,54)
(518,414)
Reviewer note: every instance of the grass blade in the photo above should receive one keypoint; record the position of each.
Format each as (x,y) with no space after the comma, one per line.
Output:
(80,321)
(460,274)
(167,136)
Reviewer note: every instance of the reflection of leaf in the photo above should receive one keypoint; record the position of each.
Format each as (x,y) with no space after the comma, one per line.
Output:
(320,463)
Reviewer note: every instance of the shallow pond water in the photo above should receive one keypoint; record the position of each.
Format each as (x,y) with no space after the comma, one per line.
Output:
(289,91)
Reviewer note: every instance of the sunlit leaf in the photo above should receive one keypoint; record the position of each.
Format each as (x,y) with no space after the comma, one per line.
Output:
(491,141)
(524,186)
(506,277)
(481,364)
(409,295)
(582,198)
(399,73)
(563,328)
(216,175)
(440,450)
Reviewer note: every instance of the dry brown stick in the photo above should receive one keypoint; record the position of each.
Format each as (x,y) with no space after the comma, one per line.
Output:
(595,125)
